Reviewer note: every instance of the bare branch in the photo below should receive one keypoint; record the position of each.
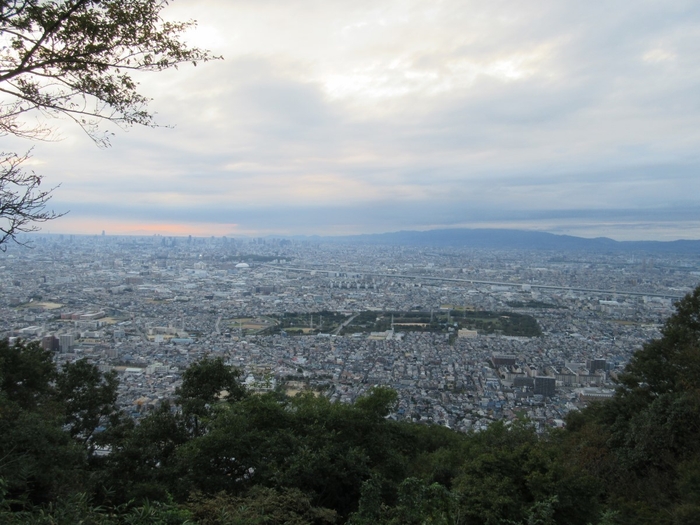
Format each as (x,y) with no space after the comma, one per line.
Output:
(23,204)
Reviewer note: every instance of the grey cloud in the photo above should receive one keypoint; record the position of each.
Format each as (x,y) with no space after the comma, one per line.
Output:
(595,133)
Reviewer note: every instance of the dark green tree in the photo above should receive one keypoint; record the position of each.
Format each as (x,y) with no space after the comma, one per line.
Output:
(89,398)
(671,363)
(143,463)
(205,383)
(643,442)
(27,373)
(378,401)
(38,460)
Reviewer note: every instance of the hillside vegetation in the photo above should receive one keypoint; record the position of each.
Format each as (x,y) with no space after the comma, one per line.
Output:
(67,455)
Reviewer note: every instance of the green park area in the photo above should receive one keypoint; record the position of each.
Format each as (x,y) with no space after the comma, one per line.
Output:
(439,321)
(444,321)
(533,304)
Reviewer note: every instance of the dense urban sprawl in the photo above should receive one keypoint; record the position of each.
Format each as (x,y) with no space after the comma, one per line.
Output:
(147,307)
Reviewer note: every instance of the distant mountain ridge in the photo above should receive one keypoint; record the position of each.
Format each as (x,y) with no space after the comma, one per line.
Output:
(515,239)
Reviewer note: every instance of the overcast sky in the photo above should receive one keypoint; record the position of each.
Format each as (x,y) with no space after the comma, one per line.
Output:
(354,116)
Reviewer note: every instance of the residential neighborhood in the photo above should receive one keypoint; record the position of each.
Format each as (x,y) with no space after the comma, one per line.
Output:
(465,336)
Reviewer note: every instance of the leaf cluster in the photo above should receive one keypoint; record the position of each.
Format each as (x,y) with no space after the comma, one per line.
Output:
(49,422)
(643,444)
(77,58)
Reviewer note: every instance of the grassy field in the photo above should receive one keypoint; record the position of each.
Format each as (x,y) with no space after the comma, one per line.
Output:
(252,325)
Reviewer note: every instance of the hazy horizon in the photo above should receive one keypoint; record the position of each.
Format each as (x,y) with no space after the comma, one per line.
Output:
(304,236)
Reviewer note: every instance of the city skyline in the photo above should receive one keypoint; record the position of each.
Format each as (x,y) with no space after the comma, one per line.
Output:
(337,119)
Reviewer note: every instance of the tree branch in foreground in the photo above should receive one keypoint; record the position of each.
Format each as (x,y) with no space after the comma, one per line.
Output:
(23,204)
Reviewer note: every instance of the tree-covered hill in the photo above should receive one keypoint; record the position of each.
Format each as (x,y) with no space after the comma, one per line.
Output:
(249,458)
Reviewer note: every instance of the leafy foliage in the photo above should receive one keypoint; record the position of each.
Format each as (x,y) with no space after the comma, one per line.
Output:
(77,57)
(203,384)
(26,375)
(259,506)
(89,398)
(645,438)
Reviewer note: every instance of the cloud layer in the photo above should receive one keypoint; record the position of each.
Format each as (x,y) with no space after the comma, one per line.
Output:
(350,117)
